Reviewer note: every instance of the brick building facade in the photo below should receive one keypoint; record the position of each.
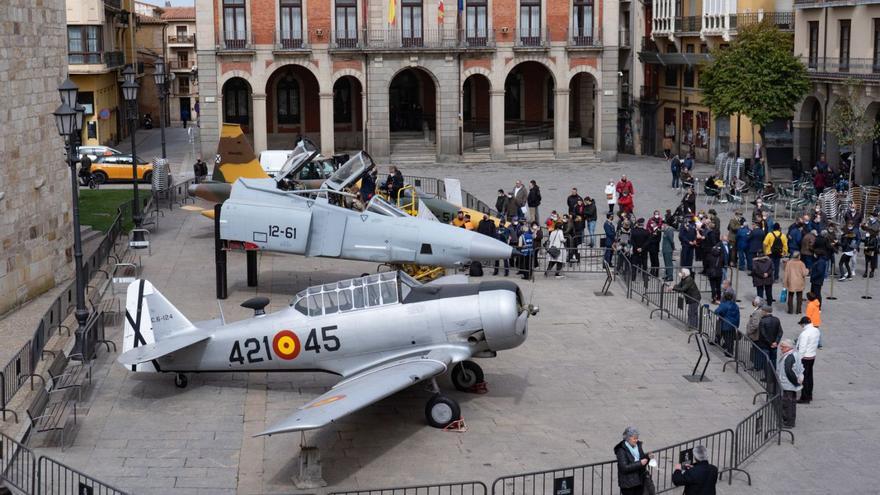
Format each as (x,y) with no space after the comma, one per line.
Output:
(35,214)
(492,78)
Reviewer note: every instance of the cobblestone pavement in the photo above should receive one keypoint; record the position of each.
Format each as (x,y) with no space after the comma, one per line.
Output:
(590,367)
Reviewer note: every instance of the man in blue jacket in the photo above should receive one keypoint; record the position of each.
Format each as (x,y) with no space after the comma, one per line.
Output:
(742,247)
(756,243)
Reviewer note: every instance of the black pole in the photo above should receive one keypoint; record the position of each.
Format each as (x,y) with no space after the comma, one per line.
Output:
(163,88)
(219,256)
(136,216)
(81,313)
(738,120)
(251,268)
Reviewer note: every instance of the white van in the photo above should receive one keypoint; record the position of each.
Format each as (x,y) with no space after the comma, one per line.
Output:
(273,160)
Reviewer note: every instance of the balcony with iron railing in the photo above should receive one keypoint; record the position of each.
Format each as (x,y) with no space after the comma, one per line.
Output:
(181,65)
(421,39)
(107,60)
(688,25)
(837,69)
(290,40)
(181,39)
(832,3)
(534,39)
(235,42)
(113,4)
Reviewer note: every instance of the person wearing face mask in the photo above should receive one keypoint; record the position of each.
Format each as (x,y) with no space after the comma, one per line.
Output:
(668,247)
(687,236)
(611,195)
(625,193)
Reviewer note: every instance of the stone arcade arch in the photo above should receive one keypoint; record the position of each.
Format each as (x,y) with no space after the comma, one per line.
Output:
(529,106)
(475,111)
(292,94)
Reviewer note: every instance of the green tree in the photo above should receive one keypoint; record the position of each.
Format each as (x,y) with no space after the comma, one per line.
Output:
(756,76)
(848,121)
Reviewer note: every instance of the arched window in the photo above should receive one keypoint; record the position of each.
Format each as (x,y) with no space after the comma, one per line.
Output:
(236,102)
(288,100)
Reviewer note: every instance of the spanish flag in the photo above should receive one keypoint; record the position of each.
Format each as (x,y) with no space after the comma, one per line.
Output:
(392,11)
(441,12)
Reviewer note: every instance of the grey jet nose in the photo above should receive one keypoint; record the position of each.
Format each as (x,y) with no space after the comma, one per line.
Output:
(486,248)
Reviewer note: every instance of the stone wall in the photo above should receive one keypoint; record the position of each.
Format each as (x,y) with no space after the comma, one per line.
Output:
(35,214)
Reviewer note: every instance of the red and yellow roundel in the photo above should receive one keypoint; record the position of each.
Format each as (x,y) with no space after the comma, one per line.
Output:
(286,345)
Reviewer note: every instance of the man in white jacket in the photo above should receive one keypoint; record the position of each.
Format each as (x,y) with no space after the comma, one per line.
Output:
(807,343)
(611,195)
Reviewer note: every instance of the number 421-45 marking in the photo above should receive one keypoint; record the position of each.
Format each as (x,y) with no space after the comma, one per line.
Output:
(254,350)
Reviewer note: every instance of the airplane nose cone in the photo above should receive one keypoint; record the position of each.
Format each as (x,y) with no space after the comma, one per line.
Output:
(486,248)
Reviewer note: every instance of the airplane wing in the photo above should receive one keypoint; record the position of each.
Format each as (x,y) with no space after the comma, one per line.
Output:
(155,350)
(359,391)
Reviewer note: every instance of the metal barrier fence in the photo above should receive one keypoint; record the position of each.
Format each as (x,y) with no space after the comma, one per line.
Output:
(12,376)
(55,478)
(719,446)
(17,464)
(463,488)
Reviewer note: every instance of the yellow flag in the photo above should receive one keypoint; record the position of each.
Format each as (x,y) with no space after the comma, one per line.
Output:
(392,11)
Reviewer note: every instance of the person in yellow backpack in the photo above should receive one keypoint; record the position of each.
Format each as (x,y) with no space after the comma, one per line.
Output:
(776,246)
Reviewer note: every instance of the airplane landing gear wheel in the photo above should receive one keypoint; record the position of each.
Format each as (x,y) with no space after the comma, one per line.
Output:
(441,411)
(466,374)
(180,380)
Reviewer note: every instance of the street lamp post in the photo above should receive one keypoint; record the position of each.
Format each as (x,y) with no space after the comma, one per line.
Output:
(69,122)
(159,77)
(129,93)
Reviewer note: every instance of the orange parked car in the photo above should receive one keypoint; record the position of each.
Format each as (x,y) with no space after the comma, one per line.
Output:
(117,168)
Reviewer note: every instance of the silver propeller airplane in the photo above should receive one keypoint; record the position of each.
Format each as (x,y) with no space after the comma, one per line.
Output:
(381,333)
(263,215)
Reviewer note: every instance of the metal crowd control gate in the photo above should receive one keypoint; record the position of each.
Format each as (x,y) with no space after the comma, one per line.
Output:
(17,464)
(462,488)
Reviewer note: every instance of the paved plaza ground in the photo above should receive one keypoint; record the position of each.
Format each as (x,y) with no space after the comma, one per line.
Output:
(590,367)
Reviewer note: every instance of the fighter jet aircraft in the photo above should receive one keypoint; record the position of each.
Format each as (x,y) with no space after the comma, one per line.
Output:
(380,333)
(260,215)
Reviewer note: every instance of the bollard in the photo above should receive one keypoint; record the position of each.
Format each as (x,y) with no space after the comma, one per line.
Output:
(867,286)
(736,284)
(831,291)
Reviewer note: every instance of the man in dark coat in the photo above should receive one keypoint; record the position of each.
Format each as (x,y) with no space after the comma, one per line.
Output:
(610,234)
(687,235)
(756,240)
(688,287)
(762,277)
(501,202)
(486,227)
(394,183)
(769,336)
(572,200)
(640,239)
(533,200)
(698,479)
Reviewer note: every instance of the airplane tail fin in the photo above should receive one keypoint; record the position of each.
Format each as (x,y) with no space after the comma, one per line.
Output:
(150,319)
(235,157)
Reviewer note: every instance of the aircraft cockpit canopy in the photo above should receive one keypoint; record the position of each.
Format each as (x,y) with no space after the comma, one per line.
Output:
(379,205)
(304,152)
(350,171)
(354,294)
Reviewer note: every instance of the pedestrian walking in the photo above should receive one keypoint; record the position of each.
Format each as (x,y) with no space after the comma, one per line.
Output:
(625,193)
(762,277)
(872,243)
(794,280)
(534,201)
(790,373)
(632,463)
(611,195)
(699,478)
(807,344)
(556,250)
(675,169)
(848,243)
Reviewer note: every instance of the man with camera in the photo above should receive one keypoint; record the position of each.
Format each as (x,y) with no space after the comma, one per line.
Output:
(698,478)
